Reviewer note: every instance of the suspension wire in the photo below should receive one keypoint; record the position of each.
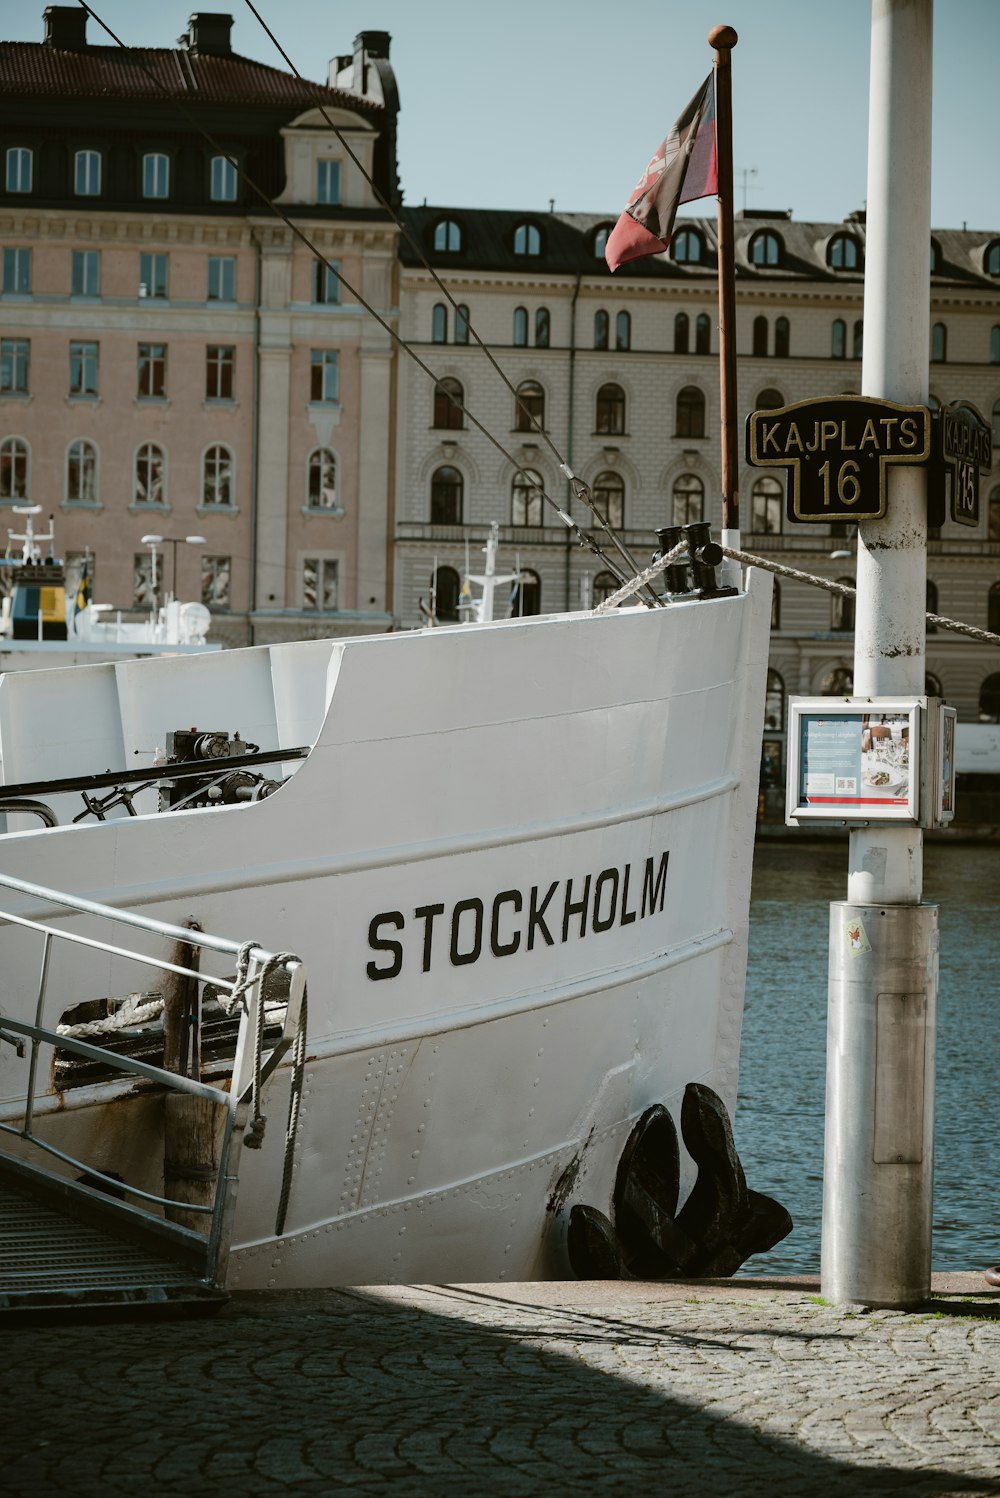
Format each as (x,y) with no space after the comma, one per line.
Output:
(585,538)
(580,490)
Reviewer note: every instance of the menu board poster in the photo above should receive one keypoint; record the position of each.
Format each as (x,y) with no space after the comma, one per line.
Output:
(857,763)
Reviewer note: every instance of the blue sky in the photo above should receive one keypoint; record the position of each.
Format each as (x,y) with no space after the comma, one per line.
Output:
(514,104)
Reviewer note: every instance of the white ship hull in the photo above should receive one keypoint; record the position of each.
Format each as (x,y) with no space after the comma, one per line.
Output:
(516,864)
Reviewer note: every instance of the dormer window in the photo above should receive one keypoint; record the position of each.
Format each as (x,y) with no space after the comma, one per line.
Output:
(19,164)
(223,180)
(601,241)
(991,260)
(155,175)
(527,240)
(765,249)
(843,253)
(935,257)
(328,181)
(87,174)
(687,247)
(447,236)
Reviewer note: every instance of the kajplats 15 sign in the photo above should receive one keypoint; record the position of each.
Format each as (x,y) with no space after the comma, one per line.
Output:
(856,763)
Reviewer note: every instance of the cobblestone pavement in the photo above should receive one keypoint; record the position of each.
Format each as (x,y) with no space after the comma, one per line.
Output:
(751,1387)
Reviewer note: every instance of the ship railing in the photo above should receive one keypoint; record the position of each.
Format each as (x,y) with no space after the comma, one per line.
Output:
(135,1205)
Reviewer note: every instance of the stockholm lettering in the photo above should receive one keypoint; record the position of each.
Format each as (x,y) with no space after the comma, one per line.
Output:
(566,910)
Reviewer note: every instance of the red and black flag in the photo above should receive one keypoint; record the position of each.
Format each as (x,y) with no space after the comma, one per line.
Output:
(684,168)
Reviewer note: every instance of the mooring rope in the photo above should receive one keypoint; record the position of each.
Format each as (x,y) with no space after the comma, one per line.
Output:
(136,1009)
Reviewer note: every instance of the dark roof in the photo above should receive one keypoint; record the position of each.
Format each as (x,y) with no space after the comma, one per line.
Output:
(36,70)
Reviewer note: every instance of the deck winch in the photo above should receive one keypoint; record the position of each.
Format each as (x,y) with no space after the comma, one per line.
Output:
(185,746)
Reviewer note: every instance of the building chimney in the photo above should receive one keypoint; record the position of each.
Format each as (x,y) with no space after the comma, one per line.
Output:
(65,27)
(208,33)
(367,44)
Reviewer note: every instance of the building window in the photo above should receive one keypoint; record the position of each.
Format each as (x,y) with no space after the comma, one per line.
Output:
(529,408)
(770,399)
(81,473)
(837,683)
(760,337)
(996,424)
(527,240)
(527,600)
(220,361)
(520,327)
(13,468)
(446,496)
(14,357)
(150,475)
(782,337)
(765,249)
(328,181)
(321,492)
(939,343)
(610,413)
(19,165)
(86,273)
(601,237)
(446,587)
(439,323)
(989,700)
(461,323)
(222,186)
(320,584)
(217,478)
(449,398)
(155,175)
(690,412)
(991,260)
(774,703)
(842,608)
(17,273)
(994,341)
(87,174)
(931,605)
(775,604)
(993,609)
(838,339)
(447,236)
(858,347)
(687,247)
(152,371)
(526,498)
(147,579)
(682,333)
(602,327)
(324,376)
(605,583)
(843,253)
(222,278)
(83,368)
(703,334)
(688,500)
(767,507)
(216,578)
(623,331)
(542,327)
(993,516)
(609,499)
(153,271)
(326,283)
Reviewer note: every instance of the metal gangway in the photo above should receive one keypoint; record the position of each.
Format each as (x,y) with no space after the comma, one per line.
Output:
(74,1233)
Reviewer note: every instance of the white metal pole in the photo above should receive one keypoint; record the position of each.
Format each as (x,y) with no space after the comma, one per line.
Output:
(880,1063)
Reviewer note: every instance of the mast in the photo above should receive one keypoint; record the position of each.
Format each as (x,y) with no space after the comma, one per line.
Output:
(724,39)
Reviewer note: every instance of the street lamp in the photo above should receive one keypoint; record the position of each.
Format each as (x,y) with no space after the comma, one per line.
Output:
(173,541)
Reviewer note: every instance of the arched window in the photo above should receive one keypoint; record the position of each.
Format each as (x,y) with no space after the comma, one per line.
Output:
(838,339)
(682,328)
(609,499)
(774,703)
(601,240)
(995,344)
(842,608)
(932,685)
(13,468)
(775,604)
(155,175)
(527,240)
(461,323)
(703,334)
(996,424)
(623,331)
(760,336)
(447,236)
(449,398)
(765,248)
(446,586)
(859,339)
(527,505)
(838,683)
(843,253)
(439,323)
(767,506)
(87,174)
(991,260)
(610,410)
(605,583)
(687,247)
(529,409)
(217,478)
(527,600)
(150,486)
(993,515)
(81,473)
(687,503)
(935,257)
(446,496)
(770,399)
(932,605)
(321,490)
(939,343)
(782,337)
(989,699)
(993,609)
(542,327)
(222,180)
(602,326)
(520,327)
(690,412)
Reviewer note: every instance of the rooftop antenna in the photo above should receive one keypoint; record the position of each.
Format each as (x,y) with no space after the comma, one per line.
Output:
(744,174)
